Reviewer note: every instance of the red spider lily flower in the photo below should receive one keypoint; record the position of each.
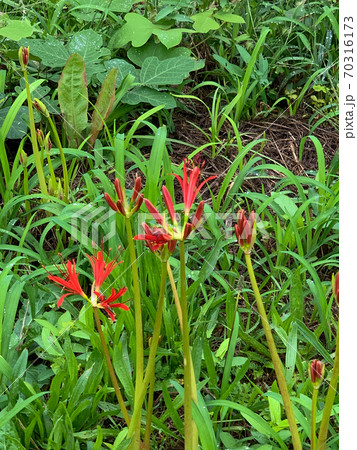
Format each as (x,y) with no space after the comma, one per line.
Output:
(336,286)
(246,231)
(169,204)
(101,269)
(70,281)
(316,372)
(154,212)
(121,205)
(107,303)
(190,185)
(24,54)
(156,238)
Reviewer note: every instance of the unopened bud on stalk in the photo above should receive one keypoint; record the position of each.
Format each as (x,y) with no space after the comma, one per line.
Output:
(24,54)
(316,373)
(41,107)
(23,158)
(59,190)
(48,143)
(40,138)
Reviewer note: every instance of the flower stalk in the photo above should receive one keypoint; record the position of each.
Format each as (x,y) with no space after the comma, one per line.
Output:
(24,58)
(189,381)
(316,373)
(149,371)
(112,374)
(275,358)
(330,397)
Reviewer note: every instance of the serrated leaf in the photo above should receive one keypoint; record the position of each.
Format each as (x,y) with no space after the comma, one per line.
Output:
(139,55)
(143,94)
(104,104)
(73,99)
(17,29)
(229,17)
(204,22)
(169,71)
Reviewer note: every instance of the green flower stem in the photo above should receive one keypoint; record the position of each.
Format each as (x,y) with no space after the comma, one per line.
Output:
(26,188)
(179,315)
(110,367)
(330,397)
(36,153)
(315,392)
(149,413)
(275,359)
(52,172)
(139,399)
(63,159)
(190,425)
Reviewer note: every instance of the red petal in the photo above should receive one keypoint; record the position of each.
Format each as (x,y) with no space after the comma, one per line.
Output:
(154,212)
(169,203)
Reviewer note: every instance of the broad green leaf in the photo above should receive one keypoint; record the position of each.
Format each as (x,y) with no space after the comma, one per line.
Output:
(136,30)
(89,44)
(139,55)
(203,22)
(17,29)
(170,38)
(103,105)
(229,17)
(52,51)
(124,68)
(143,94)
(170,71)
(73,99)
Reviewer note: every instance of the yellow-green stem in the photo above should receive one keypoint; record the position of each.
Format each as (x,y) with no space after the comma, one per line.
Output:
(139,398)
(26,189)
(313,418)
(330,397)
(52,172)
(179,315)
(189,423)
(149,413)
(275,359)
(63,159)
(138,321)
(110,367)
(36,153)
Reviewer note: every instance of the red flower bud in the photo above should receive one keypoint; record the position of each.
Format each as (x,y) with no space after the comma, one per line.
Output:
(316,372)
(246,231)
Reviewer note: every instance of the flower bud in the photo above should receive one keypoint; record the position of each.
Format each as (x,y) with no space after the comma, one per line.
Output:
(23,158)
(316,373)
(41,107)
(48,143)
(24,54)
(246,231)
(40,138)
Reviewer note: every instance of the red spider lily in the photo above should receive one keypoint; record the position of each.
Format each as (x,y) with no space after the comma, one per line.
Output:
(70,281)
(156,238)
(190,185)
(316,372)
(101,269)
(336,286)
(107,303)
(121,205)
(246,231)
